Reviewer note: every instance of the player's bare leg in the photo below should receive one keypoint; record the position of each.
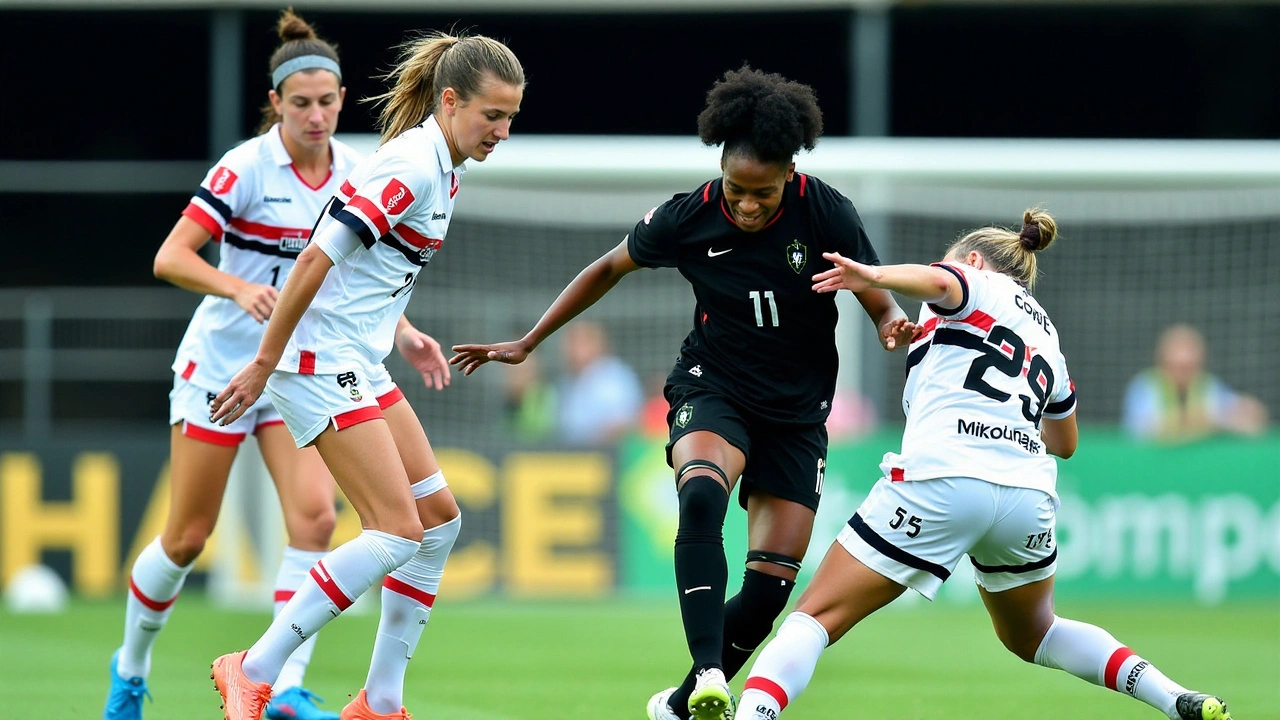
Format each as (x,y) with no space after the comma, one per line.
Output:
(198,473)
(408,593)
(842,593)
(307,494)
(1025,622)
(366,464)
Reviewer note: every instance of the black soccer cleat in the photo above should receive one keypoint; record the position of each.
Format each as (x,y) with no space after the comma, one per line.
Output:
(1198,706)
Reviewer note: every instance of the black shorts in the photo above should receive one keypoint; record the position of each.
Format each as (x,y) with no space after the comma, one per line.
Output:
(788,461)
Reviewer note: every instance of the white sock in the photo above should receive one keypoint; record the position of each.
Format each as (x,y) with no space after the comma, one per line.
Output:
(332,585)
(407,596)
(294,566)
(154,584)
(783,669)
(1092,654)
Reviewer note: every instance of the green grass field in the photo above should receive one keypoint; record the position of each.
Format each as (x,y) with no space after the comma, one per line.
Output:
(502,660)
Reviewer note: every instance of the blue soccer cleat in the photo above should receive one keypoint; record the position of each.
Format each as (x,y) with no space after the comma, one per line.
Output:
(124,702)
(297,703)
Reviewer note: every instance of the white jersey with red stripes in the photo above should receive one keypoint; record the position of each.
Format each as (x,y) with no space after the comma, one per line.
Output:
(979,379)
(261,211)
(399,202)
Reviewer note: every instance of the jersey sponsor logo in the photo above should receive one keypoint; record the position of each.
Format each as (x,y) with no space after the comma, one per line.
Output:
(649,215)
(797,256)
(711,252)
(766,712)
(396,197)
(428,252)
(684,415)
(277,199)
(439,216)
(294,244)
(979,429)
(222,180)
(696,371)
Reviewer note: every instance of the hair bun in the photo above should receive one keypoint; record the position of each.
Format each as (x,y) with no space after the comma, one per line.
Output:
(1030,237)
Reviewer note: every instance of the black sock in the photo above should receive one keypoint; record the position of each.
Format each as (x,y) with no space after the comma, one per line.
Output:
(748,620)
(701,571)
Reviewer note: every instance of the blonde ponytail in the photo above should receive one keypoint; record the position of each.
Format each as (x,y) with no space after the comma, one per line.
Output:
(1010,253)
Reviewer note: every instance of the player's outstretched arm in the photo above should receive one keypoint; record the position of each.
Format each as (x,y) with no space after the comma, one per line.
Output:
(919,282)
(581,293)
(299,290)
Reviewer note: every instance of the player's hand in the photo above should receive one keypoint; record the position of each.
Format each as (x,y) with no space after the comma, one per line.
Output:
(240,394)
(424,354)
(897,333)
(257,300)
(470,357)
(846,275)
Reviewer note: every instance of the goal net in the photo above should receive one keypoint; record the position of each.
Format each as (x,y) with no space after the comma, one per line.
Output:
(1152,233)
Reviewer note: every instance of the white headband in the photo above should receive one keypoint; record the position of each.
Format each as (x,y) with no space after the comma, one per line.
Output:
(304,62)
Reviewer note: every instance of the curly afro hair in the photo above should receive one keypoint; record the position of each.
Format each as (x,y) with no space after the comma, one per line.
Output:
(762,114)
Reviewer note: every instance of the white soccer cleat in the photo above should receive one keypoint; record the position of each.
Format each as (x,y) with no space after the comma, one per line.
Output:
(659,708)
(711,698)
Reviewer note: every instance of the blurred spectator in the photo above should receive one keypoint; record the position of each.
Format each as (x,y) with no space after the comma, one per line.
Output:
(1179,401)
(601,397)
(529,402)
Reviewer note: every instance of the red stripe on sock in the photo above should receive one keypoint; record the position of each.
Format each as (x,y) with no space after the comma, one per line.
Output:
(1111,675)
(320,574)
(157,605)
(403,588)
(283,595)
(768,687)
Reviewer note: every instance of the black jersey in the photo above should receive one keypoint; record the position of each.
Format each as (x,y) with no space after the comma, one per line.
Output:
(761,335)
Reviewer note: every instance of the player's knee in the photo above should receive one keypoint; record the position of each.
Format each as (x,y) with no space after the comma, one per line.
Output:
(185,546)
(703,505)
(763,599)
(1022,640)
(440,539)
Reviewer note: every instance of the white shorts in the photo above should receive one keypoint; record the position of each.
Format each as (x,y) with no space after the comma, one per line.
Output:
(311,403)
(915,532)
(189,406)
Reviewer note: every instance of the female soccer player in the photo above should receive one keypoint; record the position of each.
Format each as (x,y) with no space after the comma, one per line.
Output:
(259,201)
(988,400)
(755,378)
(321,357)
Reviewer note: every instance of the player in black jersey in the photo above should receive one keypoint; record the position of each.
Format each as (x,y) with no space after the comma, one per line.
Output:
(752,388)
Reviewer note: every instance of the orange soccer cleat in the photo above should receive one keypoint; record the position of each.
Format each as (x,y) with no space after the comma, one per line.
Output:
(242,698)
(358,709)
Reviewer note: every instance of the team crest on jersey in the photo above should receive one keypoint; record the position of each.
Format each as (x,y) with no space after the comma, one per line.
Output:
(222,180)
(349,381)
(797,256)
(396,198)
(684,415)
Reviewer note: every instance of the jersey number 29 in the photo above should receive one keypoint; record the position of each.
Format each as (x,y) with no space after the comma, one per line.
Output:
(1007,353)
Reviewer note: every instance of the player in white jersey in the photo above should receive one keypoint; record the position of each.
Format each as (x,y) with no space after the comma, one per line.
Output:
(988,400)
(259,201)
(321,362)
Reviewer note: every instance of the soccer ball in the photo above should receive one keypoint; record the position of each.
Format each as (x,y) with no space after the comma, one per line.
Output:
(36,589)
